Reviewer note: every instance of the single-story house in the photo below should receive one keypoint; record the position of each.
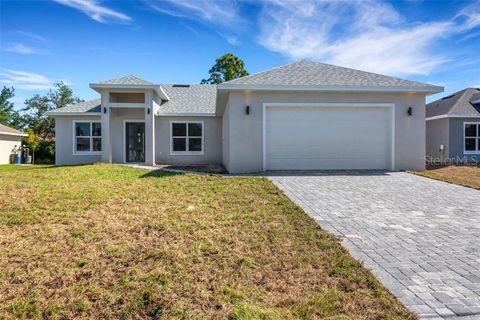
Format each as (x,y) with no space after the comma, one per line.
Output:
(453,127)
(299,116)
(9,139)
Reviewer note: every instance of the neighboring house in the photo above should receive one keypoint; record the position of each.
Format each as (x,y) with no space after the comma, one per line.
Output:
(9,139)
(453,127)
(299,116)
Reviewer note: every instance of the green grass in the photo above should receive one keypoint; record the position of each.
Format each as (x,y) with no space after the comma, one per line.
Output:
(111,242)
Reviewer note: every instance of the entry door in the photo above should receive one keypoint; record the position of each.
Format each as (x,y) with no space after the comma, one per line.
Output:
(135,141)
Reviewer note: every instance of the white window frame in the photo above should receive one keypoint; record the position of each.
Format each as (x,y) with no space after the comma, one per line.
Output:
(477,138)
(91,152)
(187,153)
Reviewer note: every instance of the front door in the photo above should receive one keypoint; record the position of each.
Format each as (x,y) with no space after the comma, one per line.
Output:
(135,141)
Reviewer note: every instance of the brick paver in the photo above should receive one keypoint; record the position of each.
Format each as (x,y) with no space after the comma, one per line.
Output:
(420,237)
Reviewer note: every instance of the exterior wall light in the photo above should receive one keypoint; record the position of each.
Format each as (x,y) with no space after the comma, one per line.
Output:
(247,110)
(104,110)
(148,110)
(409,111)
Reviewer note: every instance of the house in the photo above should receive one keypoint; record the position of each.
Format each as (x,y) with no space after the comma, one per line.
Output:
(9,139)
(299,116)
(453,127)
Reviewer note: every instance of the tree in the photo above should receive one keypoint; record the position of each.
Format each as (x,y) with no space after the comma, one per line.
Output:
(227,67)
(35,116)
(32,141)
(8,116)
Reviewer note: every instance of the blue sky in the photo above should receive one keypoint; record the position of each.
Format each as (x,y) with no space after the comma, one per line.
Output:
(177,41)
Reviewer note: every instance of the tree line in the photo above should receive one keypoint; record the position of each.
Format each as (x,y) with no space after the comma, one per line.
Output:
(33,118)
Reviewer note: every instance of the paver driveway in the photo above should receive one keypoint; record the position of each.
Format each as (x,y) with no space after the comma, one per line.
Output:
(419,236)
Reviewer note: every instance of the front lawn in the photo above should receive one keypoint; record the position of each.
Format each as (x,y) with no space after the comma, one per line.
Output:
(109,242)
(468,176)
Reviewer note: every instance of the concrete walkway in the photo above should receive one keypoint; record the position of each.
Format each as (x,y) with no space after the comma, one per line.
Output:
(419,236)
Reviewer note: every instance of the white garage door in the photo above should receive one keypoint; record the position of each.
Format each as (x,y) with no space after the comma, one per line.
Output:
(333,137)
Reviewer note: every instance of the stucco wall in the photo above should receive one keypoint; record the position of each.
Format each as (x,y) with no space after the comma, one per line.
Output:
(226,138)
(64,141)
(245,131)
(437,134)
(118,116)
(7,143)
(212,141)
(456,138)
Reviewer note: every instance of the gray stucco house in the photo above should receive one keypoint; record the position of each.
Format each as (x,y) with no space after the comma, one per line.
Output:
(300,116)
(453,127)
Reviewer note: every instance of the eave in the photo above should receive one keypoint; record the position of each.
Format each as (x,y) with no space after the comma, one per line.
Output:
(393,89)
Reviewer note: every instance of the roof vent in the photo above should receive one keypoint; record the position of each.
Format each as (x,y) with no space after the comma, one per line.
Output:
(181,86)
(448,97)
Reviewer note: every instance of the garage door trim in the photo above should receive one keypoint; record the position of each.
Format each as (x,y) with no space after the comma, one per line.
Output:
(390,106)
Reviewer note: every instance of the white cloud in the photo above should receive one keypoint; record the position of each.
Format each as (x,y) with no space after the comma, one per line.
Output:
(366,35)
(23,80)
(19,48)
(232,40)
(223,12)
(469,17)
(94,10)
(32,35)
(396,52)
(363,34)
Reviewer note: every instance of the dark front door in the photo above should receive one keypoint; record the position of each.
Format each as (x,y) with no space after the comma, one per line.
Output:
(135,144)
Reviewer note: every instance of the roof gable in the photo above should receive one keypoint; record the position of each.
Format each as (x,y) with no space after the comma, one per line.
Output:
(11,131)
(461,103)
(308,73)
(127,80)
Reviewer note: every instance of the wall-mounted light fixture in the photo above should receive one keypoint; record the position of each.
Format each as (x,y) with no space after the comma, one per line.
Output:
(409,111)
(247,110)
(148,110)
(104,110)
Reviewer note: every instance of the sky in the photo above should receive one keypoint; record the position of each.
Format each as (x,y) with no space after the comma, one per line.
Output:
(177,41)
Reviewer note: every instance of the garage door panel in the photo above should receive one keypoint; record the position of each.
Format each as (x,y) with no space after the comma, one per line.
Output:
(328,114)
(306,138)
(324,164)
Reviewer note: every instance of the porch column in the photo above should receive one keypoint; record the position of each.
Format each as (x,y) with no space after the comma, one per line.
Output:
(149,129)
(106,137)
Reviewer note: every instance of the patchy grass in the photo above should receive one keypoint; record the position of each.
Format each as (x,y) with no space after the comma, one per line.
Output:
(468,176)
(111,242)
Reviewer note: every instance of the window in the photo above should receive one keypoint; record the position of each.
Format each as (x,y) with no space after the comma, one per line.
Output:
(187,137)
(87,137)
(472,137)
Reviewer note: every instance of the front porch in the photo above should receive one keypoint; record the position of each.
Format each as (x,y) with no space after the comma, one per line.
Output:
(128,127)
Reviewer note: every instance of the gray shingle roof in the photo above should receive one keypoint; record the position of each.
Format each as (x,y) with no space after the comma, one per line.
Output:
(11,131)
(309,73)
(196,98)
(461,103)
(92,106)
(128,80)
